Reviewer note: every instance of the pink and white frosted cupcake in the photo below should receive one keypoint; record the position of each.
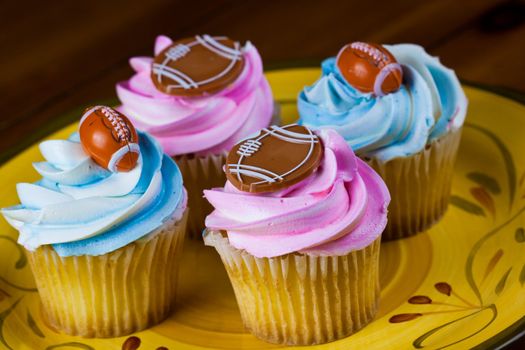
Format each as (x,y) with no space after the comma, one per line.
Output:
(198,97)
(298,227)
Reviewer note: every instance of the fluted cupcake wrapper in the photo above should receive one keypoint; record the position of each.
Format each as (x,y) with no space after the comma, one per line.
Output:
(297,299)
(114,294)
(200,173)
(419,186)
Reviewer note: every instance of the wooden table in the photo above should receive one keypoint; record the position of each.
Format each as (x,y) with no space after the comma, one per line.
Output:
(60,56)
(57,58)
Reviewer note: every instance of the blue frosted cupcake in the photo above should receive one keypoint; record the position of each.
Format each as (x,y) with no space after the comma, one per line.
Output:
(409,133)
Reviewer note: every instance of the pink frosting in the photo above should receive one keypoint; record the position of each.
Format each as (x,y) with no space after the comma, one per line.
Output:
(205,125)
(340,208)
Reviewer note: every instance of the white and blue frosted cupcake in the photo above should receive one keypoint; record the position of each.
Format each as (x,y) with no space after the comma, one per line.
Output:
(103,229)
(400,109)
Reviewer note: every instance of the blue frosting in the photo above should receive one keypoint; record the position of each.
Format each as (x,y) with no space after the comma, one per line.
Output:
(428,104)
(82,209)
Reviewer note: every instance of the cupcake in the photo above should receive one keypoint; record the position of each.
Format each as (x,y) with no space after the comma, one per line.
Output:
(402,111)
(198,97)
(298,227)
(103,229)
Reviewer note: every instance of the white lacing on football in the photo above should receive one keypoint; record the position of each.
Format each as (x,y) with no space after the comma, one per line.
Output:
(255,172)
(383,74)
(291,136)
(114,118)
(249,147)
(177,52)
(379,57)
(182,79)
(117,156)
(220,49)
(266,175)
(118,123)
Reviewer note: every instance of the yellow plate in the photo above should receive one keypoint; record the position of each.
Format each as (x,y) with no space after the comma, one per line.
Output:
(459,285)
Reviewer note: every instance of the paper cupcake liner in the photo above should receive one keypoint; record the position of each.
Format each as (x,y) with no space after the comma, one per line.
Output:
(114,294)
(199,174)
(419,186)
(297,299)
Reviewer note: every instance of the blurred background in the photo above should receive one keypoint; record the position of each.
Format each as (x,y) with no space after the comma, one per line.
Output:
(61,55)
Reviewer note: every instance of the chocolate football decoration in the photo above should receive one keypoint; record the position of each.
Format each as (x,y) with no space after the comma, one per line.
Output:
(276,158)
(370,68)
(109,138)
(197,65)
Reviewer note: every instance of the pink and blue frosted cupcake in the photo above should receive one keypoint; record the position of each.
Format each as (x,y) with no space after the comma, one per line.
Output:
(298,227)
(198,97)
(103,229)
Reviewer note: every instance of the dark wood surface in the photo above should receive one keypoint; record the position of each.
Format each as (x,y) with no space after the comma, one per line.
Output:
(59,56)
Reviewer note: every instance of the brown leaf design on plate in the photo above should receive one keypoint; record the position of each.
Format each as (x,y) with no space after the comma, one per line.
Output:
(522,179)
(522,276)
(132,343)
(162,348)
(510,166)
(34,327)
(420,299)
(4,295)
(22,259)
(443,288)
(519,235)
(404,317)
(492,263)
(451,326)
(490,183)
(501,284)
(3,316)
(484,198)
(466,205)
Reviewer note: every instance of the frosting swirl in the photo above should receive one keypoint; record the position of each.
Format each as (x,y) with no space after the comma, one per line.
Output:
(82,209)
(429,103)
(339,208)
(201,125)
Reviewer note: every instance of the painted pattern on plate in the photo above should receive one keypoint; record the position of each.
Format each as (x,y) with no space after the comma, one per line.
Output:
(483,190)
